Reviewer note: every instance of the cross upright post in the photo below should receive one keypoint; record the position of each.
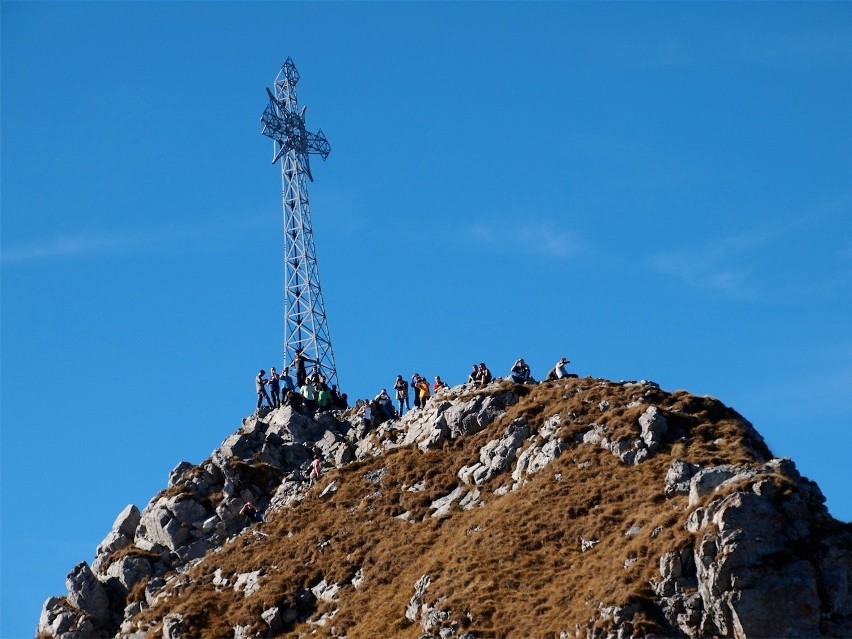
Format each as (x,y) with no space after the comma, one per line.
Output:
(305,322)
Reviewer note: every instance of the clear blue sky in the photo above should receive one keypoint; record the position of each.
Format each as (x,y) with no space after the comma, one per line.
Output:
(656,191)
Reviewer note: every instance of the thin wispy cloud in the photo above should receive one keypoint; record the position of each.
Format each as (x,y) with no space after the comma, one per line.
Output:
(814,47)
(115,242)
(709,267)
(544,238)
(764,263)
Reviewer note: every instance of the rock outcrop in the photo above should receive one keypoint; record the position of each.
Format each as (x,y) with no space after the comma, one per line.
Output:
(573,508)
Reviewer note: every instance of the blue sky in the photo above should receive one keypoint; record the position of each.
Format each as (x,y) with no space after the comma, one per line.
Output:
(656,191)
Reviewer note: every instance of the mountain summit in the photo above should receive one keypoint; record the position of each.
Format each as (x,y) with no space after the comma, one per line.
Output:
(570,508)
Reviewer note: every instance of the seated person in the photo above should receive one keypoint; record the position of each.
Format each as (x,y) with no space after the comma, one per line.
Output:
(521,372)
(385,406)
(559,371)
(251,513)
(484,376)
(474,375)
(324,399)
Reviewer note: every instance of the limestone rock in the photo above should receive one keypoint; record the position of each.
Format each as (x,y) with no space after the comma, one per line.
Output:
(756,553)
(412,612)
(88,594)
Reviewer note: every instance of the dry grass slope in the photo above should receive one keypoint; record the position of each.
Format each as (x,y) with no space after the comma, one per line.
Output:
(513,568)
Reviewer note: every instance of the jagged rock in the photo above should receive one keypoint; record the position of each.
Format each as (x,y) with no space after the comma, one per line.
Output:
(174,627)
(325,591)
(127,521)
(176,475)
(497,454)
(56,618)
(159,526)
(248,582)
(87,593)
(274,619)
(679,477)
(115,540)
(120,536)
(442,505)
(707,480)
(330,489)
(654,427)
(412,612)
(128,570)
(535,458)
(757,553)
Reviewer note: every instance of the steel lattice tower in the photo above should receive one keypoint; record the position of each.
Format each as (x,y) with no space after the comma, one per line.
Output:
(305,325)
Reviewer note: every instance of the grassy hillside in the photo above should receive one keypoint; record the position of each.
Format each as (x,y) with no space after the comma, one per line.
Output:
(510,566)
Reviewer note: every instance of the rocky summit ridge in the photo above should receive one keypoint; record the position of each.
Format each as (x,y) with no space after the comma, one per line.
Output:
(570,508)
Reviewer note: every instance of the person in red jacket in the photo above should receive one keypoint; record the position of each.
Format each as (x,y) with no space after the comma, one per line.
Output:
(439,384)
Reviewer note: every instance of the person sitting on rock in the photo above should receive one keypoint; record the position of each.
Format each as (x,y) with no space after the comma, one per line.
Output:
(559,371)
(324,399)
(439,384)
(385,405)
(251,512)
(483,376)
(295,401)
(260,384)
(521,372)
(474,375)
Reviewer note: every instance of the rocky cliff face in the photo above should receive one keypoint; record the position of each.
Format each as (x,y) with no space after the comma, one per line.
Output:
(575,508)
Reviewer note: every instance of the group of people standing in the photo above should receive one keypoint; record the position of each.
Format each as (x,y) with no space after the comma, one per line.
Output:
(380,409)
(309,392)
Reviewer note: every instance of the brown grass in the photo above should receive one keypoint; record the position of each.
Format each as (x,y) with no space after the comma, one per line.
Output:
(512,568)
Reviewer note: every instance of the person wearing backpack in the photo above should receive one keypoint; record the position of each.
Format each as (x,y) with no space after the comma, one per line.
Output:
(401,388)
(423,386)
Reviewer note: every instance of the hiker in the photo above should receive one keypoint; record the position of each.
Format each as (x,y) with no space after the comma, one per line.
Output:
(474,375)
(260,385)
(274,388)
(286,382)
(484,376)
(401,388)
(423,387)
(559,371)
(414,379)
(340,400)
(251,512)
(324,399)
(385,405)
(309,393)
(294,400)
(316,466)
(366,413)
(299,362)
(439,384)
(521,372)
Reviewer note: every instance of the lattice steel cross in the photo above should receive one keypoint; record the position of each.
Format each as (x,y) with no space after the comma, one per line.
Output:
(305,324)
